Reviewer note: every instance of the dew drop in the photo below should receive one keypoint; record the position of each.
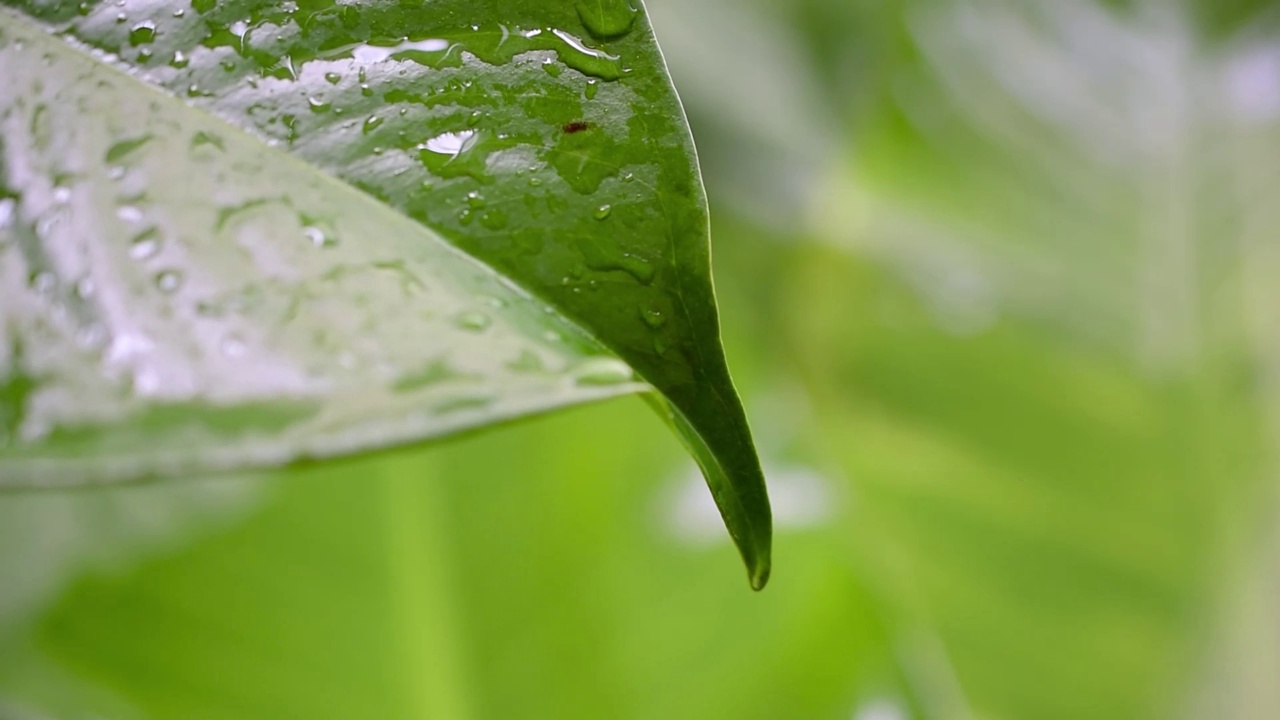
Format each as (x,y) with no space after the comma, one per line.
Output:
(372,124)
(653,317)
(332,78)
(602,372)
(474,321)
(319,237)
(232,346)
(43,283)
(318,106)
(179,60)
(144,33)
(146,245)
(603,212)
(130,214)
(494,220)
(169,281)
(607,18)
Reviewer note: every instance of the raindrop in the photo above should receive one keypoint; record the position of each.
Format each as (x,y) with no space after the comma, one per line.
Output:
(43,283)
(85,288)
(144,33)
(450,143)
(232,346)
(169,281)
(130,214)
(146,245)
(372,124)
(653,317)
(333,78)
(318,106)
(8,211)
(602,371)
(474,321)
(475,200)
(494,220)
(179,60)
(607,18)
(592,88)
(603,212)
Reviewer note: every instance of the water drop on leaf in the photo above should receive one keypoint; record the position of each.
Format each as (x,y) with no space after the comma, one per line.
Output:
(602,371)
(475,321)
(169,281)
(144,33)
(607,19)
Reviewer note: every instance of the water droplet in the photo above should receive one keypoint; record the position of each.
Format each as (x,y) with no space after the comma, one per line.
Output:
(494,220)
(169,281)
(145,245)
(603,212)
(535,182)
(8,211)
(602,371)
(130,214)
(232,346)
(637,267)
(592,88)
(474,118)
(333,78)
(527,362)
(179,60)
(607,18)
(85,288)
(43,283)
(587,60)
(450,143)
(319,237)
(653,317)
(365,90)
(318,106)
(475,200)
(372,124)
(144,33)
(474,321)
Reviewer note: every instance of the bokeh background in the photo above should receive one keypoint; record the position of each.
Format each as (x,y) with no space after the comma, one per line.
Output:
(1000,282)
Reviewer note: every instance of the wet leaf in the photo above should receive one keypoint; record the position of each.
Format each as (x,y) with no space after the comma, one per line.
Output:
(244,250)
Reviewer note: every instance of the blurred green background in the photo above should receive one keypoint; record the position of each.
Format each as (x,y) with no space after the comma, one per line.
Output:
(999,283)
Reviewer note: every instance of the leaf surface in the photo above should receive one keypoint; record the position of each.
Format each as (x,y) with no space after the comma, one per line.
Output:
(192,279)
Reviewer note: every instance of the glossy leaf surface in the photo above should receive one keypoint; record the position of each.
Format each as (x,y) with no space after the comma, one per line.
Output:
(543,140)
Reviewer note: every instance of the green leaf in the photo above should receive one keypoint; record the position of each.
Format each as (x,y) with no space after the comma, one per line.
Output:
(205,221)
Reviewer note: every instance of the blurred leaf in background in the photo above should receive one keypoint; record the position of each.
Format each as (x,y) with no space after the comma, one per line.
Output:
(1002,278)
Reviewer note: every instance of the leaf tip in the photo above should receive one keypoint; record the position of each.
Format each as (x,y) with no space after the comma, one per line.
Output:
(760,575)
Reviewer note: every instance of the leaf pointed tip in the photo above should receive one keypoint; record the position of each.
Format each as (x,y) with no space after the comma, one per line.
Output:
(760,575)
